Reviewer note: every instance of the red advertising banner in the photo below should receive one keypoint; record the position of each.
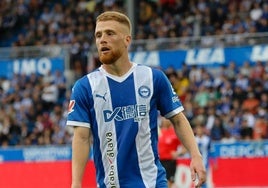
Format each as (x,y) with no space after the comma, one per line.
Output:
(55,174)
(240,172)
(224,172)
(227,172)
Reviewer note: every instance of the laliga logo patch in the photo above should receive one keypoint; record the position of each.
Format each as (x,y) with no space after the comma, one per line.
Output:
(144,91)
(71,106)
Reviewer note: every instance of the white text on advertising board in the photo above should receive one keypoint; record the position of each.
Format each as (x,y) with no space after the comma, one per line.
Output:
(205,56)
(27,66)
(259,53)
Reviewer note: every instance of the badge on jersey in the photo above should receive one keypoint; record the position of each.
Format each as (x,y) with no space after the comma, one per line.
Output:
(71,106)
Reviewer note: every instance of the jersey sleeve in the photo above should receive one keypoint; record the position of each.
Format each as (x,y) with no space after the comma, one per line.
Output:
(168,102)
(79,105)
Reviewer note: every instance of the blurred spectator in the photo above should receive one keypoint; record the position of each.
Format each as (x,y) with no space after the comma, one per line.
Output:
(189,109)
(250,103)
(50,94)
(210,120)
(246,132)
(60,81)
(46,15)
(256,11)
(264,101)
(231,123)
(204,142)
(248,118)
(231,71)
(173,78)
(202,96)
(183,85)
(257,71)
(195,75)
(239,94)
(245,70)
(241,81)
(260,128)
(58,135)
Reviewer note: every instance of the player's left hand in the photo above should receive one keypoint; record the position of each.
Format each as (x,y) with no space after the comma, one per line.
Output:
(198,171)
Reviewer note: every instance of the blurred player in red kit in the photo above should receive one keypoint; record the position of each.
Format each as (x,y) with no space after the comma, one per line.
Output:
(168,144)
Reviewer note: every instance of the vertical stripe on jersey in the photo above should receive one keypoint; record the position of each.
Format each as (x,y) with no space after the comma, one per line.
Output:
(106,131)
(145,152)
(124,102)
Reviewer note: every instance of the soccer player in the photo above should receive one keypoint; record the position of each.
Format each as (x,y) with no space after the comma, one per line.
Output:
(117,105)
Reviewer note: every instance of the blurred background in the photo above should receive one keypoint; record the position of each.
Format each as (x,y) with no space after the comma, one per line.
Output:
(214,53)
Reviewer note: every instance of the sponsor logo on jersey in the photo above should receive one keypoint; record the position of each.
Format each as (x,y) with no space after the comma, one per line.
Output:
(71,106)
(110,156)
(136,112)
(175,99)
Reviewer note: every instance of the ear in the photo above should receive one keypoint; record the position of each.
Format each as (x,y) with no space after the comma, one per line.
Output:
(127,41)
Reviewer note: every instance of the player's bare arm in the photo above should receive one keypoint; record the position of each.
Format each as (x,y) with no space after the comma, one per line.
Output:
(185,134)
(80,152)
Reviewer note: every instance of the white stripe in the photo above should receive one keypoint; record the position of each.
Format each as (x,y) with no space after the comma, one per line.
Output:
(147,165)
(106,131)
(77,123)
(174,112)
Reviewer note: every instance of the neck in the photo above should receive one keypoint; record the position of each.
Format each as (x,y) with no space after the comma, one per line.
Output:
(117,69)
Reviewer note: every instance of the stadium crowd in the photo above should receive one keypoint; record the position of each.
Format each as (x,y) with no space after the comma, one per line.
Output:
(231,104)
(39,22)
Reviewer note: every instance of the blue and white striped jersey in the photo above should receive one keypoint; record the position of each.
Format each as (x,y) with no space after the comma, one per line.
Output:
(122,114)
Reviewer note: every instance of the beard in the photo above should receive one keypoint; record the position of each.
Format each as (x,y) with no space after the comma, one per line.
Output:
(110,57)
